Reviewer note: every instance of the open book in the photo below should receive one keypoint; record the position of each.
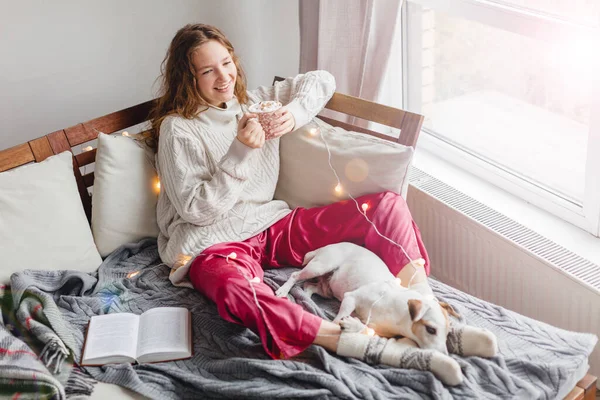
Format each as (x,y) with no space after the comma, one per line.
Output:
(159,334)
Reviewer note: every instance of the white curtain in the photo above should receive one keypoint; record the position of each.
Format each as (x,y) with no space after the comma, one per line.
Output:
(358,41)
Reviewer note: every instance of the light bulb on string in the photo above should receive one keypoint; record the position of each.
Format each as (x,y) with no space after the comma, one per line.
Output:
(364,207)
(232,255)
(88,148)
(338,188)
(313,131)
(182,259)
(125,133)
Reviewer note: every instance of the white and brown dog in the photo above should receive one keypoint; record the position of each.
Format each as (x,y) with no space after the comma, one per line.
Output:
(364,285)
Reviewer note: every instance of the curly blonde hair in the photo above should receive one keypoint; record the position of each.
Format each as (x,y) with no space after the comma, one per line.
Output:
(178,91)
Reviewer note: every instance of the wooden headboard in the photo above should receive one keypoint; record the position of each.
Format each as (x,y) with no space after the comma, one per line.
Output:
(408,123)
(66,139)
(70,138)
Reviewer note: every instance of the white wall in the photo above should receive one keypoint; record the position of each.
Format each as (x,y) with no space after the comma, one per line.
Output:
(65,61)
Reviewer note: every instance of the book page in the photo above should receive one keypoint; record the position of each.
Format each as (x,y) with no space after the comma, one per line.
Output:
(111,335)
(164,330)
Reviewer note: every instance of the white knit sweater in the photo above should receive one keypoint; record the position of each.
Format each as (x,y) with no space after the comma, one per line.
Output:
(216,189)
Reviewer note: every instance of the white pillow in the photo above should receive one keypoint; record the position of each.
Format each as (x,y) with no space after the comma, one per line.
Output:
(365,164)
(125,193)
(42,222)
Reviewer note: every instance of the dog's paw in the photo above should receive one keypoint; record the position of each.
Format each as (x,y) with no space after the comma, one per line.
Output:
(282,291)
(351,325)
(288,285)
(446,369)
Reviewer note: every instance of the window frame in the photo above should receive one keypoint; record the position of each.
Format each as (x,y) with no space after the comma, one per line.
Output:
(523,21)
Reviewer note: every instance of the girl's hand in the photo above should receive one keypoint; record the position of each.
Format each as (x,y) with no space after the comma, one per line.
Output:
(281,124)
(250,132)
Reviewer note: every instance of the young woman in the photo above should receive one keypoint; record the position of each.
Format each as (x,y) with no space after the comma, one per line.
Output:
(218,176)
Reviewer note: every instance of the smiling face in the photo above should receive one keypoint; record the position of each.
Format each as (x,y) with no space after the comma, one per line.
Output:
(215,72)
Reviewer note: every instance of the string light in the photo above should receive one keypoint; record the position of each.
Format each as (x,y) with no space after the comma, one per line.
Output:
(359,207)
(126,134)
(231,255)
(364,207)
(132,274)
(182,259)
(339,184)
(157,186)
(85,150)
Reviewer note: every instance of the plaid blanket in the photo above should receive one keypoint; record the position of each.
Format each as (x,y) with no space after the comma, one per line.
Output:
(35,342)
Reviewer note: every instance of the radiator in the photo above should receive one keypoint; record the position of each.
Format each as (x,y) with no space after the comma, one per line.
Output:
(488,255)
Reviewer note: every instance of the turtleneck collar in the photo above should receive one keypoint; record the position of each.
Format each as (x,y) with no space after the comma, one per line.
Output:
(223,115)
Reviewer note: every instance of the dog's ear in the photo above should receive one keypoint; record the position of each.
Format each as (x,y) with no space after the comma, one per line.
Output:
(417,309)
(449,309)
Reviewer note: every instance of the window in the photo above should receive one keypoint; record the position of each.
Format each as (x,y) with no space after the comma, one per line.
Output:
(579,11)
(510,91)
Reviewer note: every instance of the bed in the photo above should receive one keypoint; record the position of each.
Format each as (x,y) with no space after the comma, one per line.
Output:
(317,365)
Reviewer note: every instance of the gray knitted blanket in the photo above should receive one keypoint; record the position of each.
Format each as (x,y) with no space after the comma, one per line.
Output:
(536,361)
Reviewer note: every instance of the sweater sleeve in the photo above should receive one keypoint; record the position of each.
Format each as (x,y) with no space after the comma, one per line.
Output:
(305,95)
(199,196)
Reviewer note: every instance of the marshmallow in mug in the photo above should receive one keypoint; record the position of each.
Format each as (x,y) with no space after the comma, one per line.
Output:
(265,112)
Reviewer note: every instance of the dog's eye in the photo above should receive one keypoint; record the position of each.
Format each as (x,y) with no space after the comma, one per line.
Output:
(431,330)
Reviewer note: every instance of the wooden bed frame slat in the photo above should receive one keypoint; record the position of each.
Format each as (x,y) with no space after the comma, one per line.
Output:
(79,134)
(110,123)
(15,157)
(86,158)
(409,124)
(575,394)
(88,179)
(59,143)
(350,127)
(41,148)
(588,384)
(364,109)
(410,129)
(63,140)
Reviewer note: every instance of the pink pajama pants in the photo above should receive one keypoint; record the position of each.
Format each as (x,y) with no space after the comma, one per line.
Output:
(285,329)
